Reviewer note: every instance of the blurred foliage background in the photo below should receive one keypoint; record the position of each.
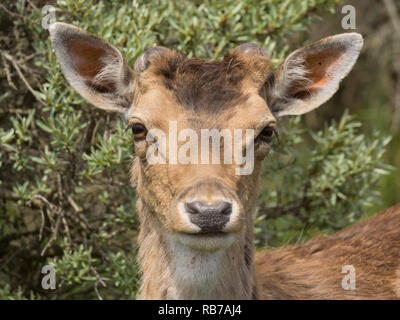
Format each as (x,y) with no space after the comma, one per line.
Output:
(65,197)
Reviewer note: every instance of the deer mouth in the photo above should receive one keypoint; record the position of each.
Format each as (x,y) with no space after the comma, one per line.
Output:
(207,241)
(205,235)
(212,234)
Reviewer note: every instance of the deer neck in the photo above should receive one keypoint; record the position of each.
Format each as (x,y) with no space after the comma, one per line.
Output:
(171,270)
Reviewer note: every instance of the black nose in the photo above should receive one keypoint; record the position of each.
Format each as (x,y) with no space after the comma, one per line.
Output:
(210,218)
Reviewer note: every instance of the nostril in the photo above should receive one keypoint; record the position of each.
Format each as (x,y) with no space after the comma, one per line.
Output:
(225,208)
(194,207)
(197,207)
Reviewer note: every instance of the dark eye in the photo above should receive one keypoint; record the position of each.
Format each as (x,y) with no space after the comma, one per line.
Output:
(266,135)
(139,131)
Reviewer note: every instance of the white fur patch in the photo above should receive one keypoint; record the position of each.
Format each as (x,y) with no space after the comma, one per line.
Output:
(195,274)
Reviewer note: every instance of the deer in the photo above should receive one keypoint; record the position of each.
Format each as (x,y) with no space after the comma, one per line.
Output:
(196,236)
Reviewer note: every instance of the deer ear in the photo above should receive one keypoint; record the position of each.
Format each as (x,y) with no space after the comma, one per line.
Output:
(94,68)
(311,75)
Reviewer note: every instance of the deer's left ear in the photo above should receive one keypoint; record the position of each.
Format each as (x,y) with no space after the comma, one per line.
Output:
(311,75)
(95,68)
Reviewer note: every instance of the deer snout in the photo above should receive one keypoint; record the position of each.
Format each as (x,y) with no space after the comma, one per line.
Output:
(209,217)
(207,207)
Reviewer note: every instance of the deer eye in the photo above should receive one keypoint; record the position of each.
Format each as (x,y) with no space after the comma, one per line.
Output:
(139,131)
(266,135)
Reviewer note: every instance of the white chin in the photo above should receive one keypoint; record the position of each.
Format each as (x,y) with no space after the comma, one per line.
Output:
(206,243)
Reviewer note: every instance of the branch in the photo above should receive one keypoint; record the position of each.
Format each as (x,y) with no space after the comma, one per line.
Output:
(9,195)
(17,15)
(17,68)
(53,236)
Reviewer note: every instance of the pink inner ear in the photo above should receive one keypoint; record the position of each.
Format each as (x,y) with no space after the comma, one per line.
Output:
(319,83)
(87,61)
(318,65)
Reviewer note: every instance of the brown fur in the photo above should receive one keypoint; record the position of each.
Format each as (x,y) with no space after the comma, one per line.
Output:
(205,86)
(313,270)
(306,271)
(234,93)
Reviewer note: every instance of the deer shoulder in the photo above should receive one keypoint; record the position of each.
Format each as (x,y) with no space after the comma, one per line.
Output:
(313,270)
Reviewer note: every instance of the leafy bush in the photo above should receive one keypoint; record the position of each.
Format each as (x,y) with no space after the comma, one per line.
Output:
(64,176)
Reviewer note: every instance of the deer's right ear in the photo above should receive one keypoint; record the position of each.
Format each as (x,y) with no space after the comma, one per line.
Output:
(311,75)
(94,68)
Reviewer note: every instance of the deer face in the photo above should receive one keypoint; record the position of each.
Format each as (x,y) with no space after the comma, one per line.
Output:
(204,204)
(197,202)
(194,171)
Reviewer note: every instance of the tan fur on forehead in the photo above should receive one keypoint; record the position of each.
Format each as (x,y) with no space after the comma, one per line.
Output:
(208,85)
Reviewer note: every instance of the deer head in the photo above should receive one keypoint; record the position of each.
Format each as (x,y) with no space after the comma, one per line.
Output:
(206,207)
